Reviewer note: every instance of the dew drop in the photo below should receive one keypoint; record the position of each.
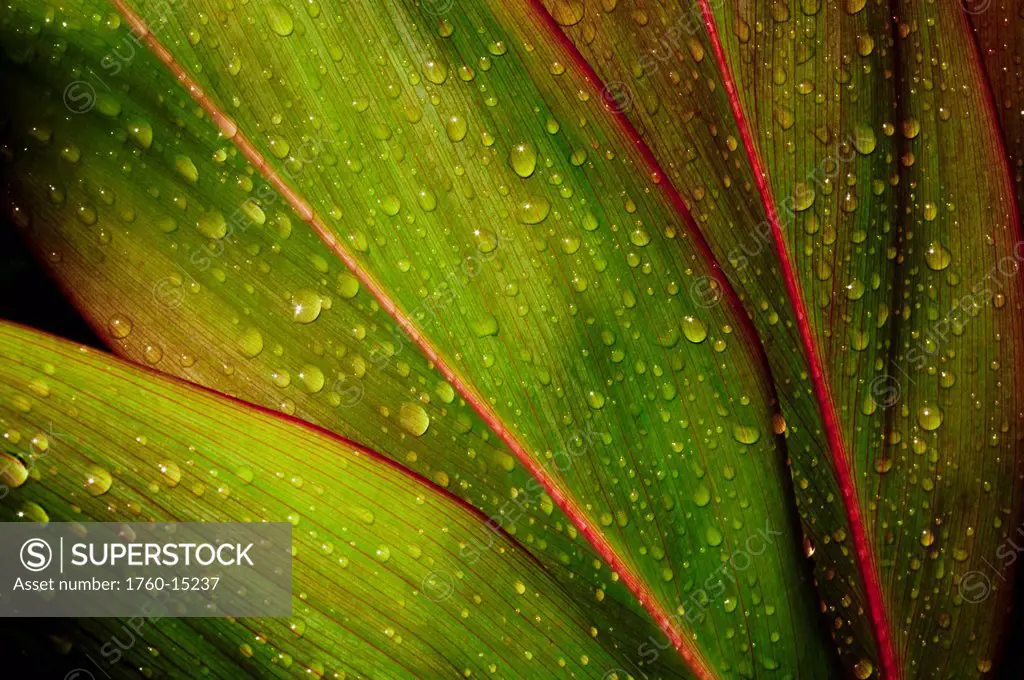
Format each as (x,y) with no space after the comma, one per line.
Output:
(533,210)
(12,472)
(937,257)
(211,224)
(120,327)
(567,12)
(803,196)
(280,19)
(863,669)
(713,536)
(414,419)
(97,480)
(523,159)
(702,496)
(312,378)
(487,326)
(171,473)
(184,166)
(694,329)
(390,205)
(435,71)
(456,128)
(142,132)
(746,434)
(306,306)
(250,342)
(864,140)
(929,417)
(348,286)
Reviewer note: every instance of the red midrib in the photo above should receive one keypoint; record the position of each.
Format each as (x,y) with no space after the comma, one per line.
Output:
(567,504)
(837,448)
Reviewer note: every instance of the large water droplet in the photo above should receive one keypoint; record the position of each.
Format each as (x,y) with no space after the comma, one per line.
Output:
(97,480)
(414,419)
(523,159)
(929,417)
(694,329)
(280,19)
(937,257)
(211,224)
(306,306)
(533,210)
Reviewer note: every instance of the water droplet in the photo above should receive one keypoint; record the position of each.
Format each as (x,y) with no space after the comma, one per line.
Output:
(456,128)
(929,417)
(171,472)
(97,480)
(348,285)
(713,536)
(435,71)
(523,159)
(911,128)
(414,419)
(108,105)
(306,306)
(694,329)
(427,200)
(33,512)
(142,132)
(486,326)
(746,434)
(803,196)
(250,342)
(533,210)
(12,472)
(120,327)
(184,166)
(280,19)
(279,146)
(937,257)
(702,495)
(567,12)
(863,669)
(312,378)
(390,205)
(927,538)
(864,139)
(211,224)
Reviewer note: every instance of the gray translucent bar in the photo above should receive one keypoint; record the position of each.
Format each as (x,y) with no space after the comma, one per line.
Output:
(154,570)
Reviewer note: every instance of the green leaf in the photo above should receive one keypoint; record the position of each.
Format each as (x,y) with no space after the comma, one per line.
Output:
(531,304)
(387,580)
(843,159)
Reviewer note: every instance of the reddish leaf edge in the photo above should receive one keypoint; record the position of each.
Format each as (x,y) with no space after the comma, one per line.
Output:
(991,102)
(866,563)
(264,412)
(229,129)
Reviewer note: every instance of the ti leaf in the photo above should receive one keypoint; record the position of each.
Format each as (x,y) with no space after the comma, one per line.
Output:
(437,212)
(844,162)
(383,585)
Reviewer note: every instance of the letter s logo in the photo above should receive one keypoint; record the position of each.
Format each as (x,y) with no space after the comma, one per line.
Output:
(36,554)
